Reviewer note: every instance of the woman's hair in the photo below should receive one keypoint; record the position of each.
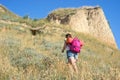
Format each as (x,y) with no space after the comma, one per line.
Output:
(68,35)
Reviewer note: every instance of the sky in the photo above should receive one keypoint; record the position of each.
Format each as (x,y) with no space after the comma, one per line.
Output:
(37,9)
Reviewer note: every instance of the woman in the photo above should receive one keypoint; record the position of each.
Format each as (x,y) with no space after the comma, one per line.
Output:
(72,57)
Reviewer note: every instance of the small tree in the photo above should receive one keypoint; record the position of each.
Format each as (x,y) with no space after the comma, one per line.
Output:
(26,17)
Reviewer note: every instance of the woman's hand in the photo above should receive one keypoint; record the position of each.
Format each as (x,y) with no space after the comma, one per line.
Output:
(62,51)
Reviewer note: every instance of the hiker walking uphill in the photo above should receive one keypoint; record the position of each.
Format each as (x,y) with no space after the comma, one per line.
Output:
(72,46)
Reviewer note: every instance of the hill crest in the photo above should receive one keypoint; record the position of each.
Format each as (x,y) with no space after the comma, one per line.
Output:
(2,9)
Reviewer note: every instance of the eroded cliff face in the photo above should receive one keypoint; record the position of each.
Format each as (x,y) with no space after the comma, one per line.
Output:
(89,20)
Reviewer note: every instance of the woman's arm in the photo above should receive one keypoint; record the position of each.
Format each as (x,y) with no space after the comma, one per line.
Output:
(64,47)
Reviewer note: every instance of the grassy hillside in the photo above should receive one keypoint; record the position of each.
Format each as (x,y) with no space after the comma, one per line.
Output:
(23,57)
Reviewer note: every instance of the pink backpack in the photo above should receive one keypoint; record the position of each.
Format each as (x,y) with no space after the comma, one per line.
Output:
(76,45)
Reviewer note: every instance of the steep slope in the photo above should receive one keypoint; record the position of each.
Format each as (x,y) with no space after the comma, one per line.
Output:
(88,20)
(5,14)
(24,57)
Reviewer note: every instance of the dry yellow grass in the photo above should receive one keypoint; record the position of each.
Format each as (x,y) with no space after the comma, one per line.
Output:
(25,58)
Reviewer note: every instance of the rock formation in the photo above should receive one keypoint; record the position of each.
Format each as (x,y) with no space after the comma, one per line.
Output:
(90,20)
